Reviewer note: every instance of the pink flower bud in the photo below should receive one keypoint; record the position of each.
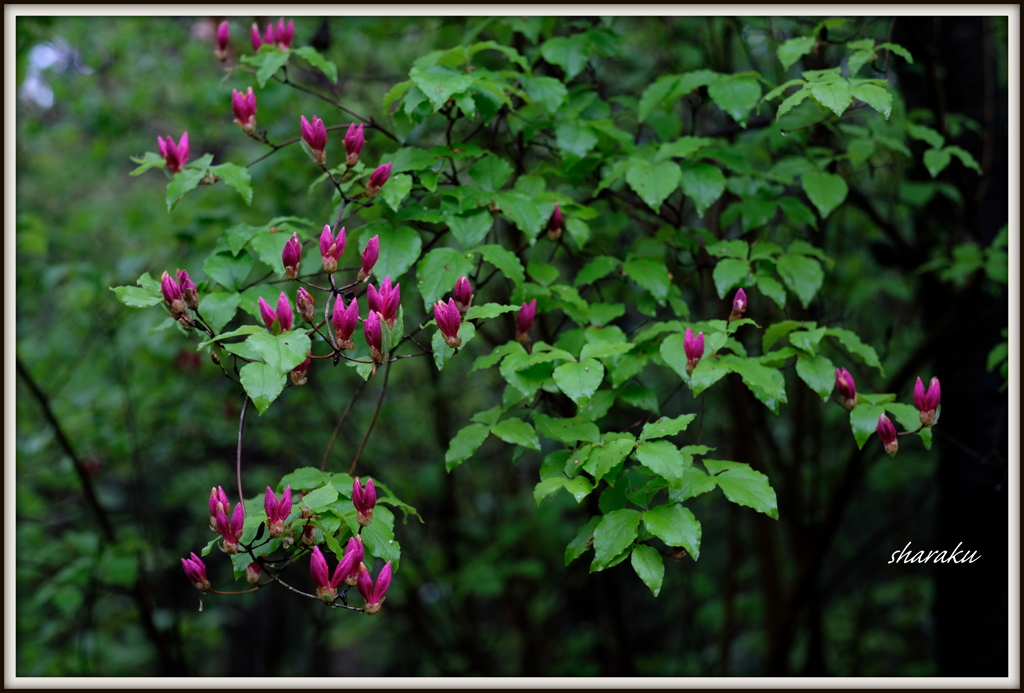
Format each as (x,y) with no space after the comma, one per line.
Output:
(556,224)
(218,503)
(371,330)
(175,298)
(385,301)
(364,498)
(196,572)
(291,254)
(189,293)
(298,374)
(377,179)
(331,248)
(304,304)
(230,530)
(254,36)
(268,35)
(694,348)
(927,403)
(739,302)
(277,510)
(887,433)
(284,313)
(353,144)
(315,135)
(374,594)
(284,34)
(345,321)
(348,567)
(267,313)
(174,154)
(463,295)
(252,573)
(846,389)
(318,571)
(524,320)
(244,107)
(223,33)
(448,321)
(369,258)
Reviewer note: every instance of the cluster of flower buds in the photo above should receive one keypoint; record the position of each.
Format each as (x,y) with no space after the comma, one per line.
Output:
(291,255)
(218,504)
(377,180)
(385,301)
(345,321)
(281,36)
(244,107)
(739,305)
(694,348)
(315,135)
(846,389)
(196,572)
(463,295)
(927,403)
(277,510)
(374,595)
(223,33)
(364,498)
(354,139)
(448,321)
(556,224)
(179,294)
(298,374)
(374,337)
(369,258)
(304,304)
(174,154)
(524,321)
(331,248)
(280,320)
(231,529)
(887,433)
(348,568)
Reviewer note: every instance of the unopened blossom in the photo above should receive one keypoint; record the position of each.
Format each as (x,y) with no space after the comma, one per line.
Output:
(887,434)
(244,107)
(218,503)
(298,374)
(354,139)
(196,572)
(369,258)
(223,34)
(524,320)
(556,224)
(277,510)
(385,301)
(315,135)
(374,594)
(739,305)
(282,317)
(304,304)
(174,296)
(252,573)
(463,294)
(291,255)
(694,348)
(174,154)
(364,498)
(331,248)
(345,321)
(448,321)
(374,337)
(377,180)
(927,403)
(846,389)
(326,585)
(231,529)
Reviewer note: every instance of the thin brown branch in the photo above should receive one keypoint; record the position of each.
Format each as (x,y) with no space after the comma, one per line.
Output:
(344,416)
(380,400)
(238,459)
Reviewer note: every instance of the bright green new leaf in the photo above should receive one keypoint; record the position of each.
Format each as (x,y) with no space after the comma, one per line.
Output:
(936,160)
(320,497)
(807,339)
(318,61)
(282,352)
(219,308)
(268,247)
(396,190)
(465,444)
(517,432)
(676,526)
(491,172)
(505,260)
(825,190)
(770,287)
(666,427)
(744,486)
(227,270)
(803,276)
(818,372)
(695,482)
(579,380)
(181,183)
(612,535)
(440,83)
(649,566)
(662,458)
(605,457)
(489,310)
(262,383)
(567,431)
(438,271)
(702,183)
(864,421)
(603,350)
(833,95)
(653,183)
(582,541)
(793,49)
(874,96)
(854,345)
(237,177)
(729,274)
(651,275)
(399,249)
(736,95)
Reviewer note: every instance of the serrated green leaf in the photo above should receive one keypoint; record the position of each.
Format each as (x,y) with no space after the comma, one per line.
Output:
(568,52)
(566,431)
(907,416)
(181,183)
(281,352)
(874,96)
(736,95)
(802,275)
(438,271)
(439,83)
(792,101)
(262,383)
(807,339)
(505,261)
(653,183)
(318,61)
(730,273)
(666,427)
(649,567)
(864,421)
(682,148)
(489,310)
(694,483)
(650,274)
(702,183)
(825,190)
(656,93)
(582,541)
(793,49)
(227,270)
(269,62)
(549,92)
(604,457)
(818,372)
(854,345)
(517,432)
(237,177)
(579,380)
(491,172)
(767,384)
(833,95)
(925,133)
(744,486)
(615,532)
(529,216)
(218,309)
(662,458)
(676,526)
(396,190)
(465,444)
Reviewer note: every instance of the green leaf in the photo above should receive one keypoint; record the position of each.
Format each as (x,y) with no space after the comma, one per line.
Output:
(237,177)
(318,61)
(303,478)
(907,416)
(874,96)
(936,160)
(579,486)
(702,183)
(579,381)
(791,102)
(771,288)
(694,483)
(777,331)
(465,444)
(793,49)
(548,486)
(489,310)
(319,498)
(666,427)
(662,458)
(396,190)
(803,276)
(650,274)
(605,457)
(649,567)
(470,228)
(438,271)
(281,352)
(491,172)
(807,339)
(864,421)
(218,309)
(736,95)
(505,260)
(676,526)
(825,190)
(854,345)
(146,294)
(656,93)
(922,132)
(549,92)
(270,61)
(181,183)
(529,216)
(517,432)
(399,249)
(818,372)
(612,535)
(568,52)
(797,211)
(227,270)
(582,541)
(897,49)
(149,160)
(572,137)
(833,95)
(262,383)
(744,486)
(394,94)
(440,83)
(603,350)
(566,431)
(729,274)
(542,273)
(653,183)
(767,384)
(682,148)
(926,437)
(379,540)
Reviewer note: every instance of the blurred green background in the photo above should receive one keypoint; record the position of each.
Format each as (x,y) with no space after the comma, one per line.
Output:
(482,589)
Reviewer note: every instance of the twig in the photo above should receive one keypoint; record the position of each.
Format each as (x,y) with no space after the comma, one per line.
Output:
(334,436)
(238,460)
(380,400)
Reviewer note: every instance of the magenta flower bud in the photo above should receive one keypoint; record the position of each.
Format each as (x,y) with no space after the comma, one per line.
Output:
(268,35)
(348,567)
(846,389)
(252,573)
(448,321)
(291,255)
(887,433)
(230,530)
(218,503)
(927,403)
(254,36)
(694,348)
(374,594)
(174,297)
(284,313)
(304,304)
(174,154)
(371,330)
(463,295)
(364,498)
(189,293)
(369,258)
(556,224)
(298,374)
(244,107)
(284,34)
(345,321)
(223,33)
(267,313)
(377,179)
(277,510)
(195,569)
(524,320)
(318,571)
(739,303)
(385,301)
(331,248)
(315,135)
(353,144)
